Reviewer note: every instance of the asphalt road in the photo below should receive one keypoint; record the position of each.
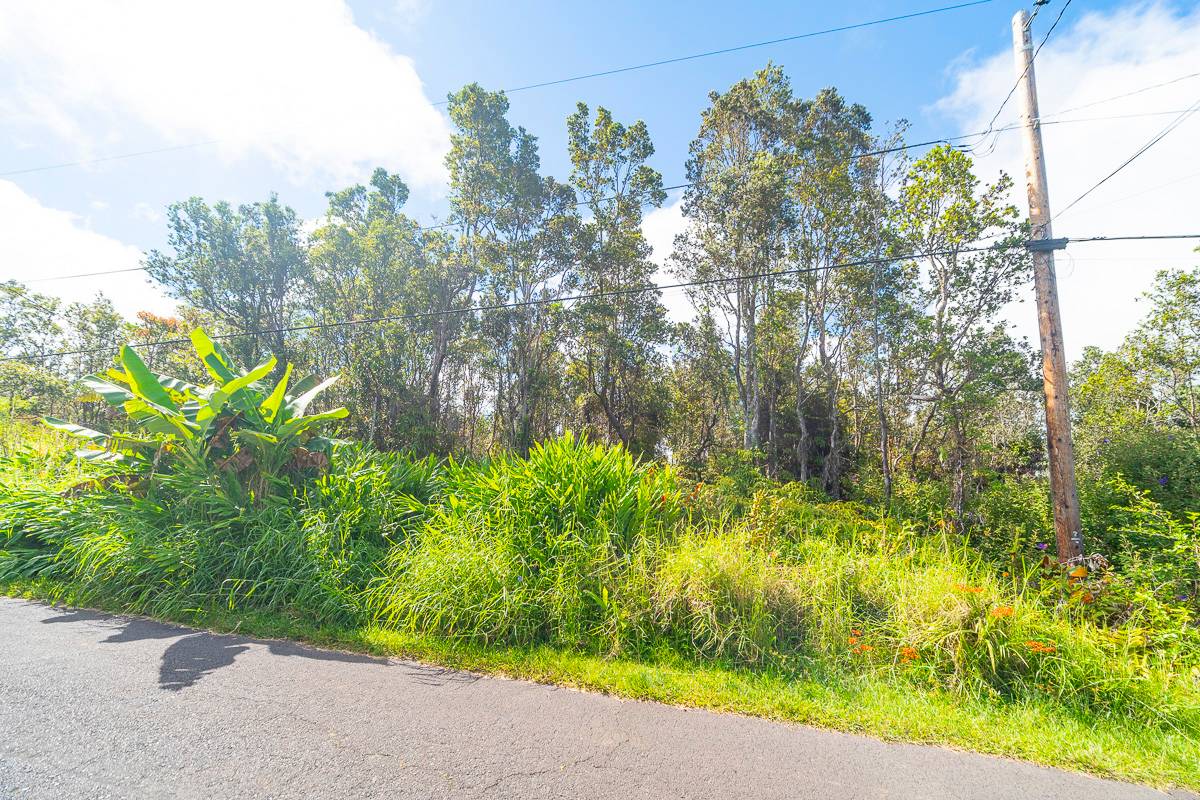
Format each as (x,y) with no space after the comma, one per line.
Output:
(97,706)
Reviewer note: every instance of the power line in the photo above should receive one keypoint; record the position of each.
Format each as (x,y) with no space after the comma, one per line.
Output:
(738,48)
(1155,188)
(1077,239)
(898,148)
(616,71)
(992,124)
(535,302)
(1126,94)
(1158,137)
(600,295)
(103,159)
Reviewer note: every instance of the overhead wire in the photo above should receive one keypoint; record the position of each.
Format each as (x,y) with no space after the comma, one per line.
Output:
(947,140)
(479,308)
(538,301)
(1158,137)
(739,48)
(1004,103)
(555,82)
(1123,95)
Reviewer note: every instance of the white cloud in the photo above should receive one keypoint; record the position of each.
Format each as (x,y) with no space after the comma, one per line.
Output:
(297,83)
(39,242)
(1099,56)
(660,227)
(146,212)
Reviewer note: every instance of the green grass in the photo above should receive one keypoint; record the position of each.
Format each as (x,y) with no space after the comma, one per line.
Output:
(1040,731)
(580,566)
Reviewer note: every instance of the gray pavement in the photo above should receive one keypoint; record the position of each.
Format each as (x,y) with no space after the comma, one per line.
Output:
(98,706)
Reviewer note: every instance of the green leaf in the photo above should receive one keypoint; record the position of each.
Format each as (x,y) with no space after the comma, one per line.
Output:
(157,419)
(143,381)
(303,385)
(258,373)
(176,385)
(113,395)
(271,405)
(76,430)
(100,456)
(247,435)
(298,405)
(298,425)
(218,366)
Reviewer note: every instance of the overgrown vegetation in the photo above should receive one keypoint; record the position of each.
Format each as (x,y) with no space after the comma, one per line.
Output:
(821,499)
(580,548)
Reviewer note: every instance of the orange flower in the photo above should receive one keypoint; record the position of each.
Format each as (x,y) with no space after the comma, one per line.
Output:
(1039,647)
(856,631)
(853,640)
(908,654)
(962,587)
(1002,611)
(862,648)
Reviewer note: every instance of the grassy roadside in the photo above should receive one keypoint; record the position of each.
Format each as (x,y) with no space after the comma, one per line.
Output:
(1041,732)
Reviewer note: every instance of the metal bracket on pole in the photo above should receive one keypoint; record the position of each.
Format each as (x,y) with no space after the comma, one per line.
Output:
(1045,245)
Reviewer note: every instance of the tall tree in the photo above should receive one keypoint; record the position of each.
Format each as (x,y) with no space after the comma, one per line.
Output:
(370,257)
(738,215)
(517,234)
(242,265)
(617,356)
(837,202)
(967,355)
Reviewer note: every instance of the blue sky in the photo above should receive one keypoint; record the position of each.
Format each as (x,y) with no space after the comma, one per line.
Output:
(305,97)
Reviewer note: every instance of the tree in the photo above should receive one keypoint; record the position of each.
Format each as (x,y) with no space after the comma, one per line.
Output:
(29,331)
(517,234)
(837,203)
(1170,338)
(370,257)
(736,207)
(243,266)
(616,349)
(966,353)
(703,408)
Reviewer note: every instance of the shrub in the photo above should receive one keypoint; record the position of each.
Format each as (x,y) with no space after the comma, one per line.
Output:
(581,546)
(540,549)
(720,595)
(244,434)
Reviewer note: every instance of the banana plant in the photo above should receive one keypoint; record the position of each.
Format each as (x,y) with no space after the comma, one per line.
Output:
(238,422)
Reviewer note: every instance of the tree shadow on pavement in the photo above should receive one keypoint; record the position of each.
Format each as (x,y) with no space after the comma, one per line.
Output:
(195,654)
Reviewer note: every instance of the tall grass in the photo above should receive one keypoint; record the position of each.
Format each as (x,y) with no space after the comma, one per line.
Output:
(582,548)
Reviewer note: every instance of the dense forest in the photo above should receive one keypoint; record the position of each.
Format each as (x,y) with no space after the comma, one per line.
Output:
(849,298)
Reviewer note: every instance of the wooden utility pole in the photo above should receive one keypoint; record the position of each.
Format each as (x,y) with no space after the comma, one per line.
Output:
(1064,495)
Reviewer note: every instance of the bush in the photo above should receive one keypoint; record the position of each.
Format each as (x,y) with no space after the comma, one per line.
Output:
(239,437)
(583,547)
(541,549)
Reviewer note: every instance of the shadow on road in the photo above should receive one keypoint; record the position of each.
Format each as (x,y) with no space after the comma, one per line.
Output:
(195,654)
(436,676)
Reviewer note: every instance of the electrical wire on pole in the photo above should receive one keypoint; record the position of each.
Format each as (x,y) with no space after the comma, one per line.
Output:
(1158,137)
(947,140)
(1000,246)
(1037,7)
(555,82)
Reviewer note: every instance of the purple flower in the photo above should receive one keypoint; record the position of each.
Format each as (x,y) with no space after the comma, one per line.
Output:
(1107,440)
(1041,545)
(1162,481)
(1183,598)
